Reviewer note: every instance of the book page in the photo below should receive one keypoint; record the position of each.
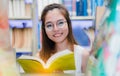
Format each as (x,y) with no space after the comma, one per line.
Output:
(63,60)
(26,57)
(55,56)
(62,63)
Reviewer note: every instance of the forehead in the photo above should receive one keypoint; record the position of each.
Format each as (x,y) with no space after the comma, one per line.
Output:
(54,15)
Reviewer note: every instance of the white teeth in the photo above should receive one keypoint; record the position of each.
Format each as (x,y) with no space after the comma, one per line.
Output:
(57,35)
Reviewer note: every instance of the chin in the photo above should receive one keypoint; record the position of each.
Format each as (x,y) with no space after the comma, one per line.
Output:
(57,41)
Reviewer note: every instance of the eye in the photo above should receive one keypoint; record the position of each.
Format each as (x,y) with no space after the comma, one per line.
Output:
(61,23)
(49,26)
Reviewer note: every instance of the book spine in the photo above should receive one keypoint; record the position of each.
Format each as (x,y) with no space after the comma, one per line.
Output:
(40,7)
(68,5)
(28,10)
(85,8)
(22,8)
(89,7)
(28,1)
(56,1)
(50,1)
(60,1)
(93,7)
(99,2)
(27,39)
(18,38)
(14,8)
(79,7)
(10,8)
(73,7)
(18,8)
(13,38)
(45,3)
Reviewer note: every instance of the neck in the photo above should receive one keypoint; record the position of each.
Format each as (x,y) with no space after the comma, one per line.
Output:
(62,46)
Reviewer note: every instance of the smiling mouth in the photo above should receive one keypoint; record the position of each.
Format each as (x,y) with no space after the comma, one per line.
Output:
(58,35)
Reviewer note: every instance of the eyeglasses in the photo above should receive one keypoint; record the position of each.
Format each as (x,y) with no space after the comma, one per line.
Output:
(50,26)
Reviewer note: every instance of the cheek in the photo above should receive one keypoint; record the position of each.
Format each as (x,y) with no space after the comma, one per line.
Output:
(48,34)
(66,31)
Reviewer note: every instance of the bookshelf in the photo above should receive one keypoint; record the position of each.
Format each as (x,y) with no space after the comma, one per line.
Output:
(75,8)
(20,9)
(82,17)
(26,10)
(21,21)
(26,7)
(20,18)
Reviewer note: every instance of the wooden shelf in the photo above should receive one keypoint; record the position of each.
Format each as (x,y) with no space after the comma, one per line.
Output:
(73,18)
(22,50)
(20,18)
(82,17)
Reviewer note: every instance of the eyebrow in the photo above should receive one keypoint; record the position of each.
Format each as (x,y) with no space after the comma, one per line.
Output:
(52,22)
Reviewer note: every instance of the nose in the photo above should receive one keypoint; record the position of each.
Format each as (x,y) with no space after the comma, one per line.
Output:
(55,28)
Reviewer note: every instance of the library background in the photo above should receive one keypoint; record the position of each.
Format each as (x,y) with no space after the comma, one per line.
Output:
(24,14)
(95,25)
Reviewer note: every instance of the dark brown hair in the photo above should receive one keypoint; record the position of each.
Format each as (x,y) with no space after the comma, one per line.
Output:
(48,46)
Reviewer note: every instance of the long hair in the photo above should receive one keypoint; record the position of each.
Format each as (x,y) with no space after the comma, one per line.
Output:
(48,46)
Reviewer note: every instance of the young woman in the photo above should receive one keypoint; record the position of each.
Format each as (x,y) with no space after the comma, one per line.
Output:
(57,34)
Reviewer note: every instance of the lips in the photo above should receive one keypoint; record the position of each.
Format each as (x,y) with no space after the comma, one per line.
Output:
(57,34)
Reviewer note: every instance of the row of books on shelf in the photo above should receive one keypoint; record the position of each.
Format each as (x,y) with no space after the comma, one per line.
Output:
(21,38)
(20,8)
(23,8)
(82,7)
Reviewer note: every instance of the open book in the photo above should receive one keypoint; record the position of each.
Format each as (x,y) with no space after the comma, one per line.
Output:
(63,60)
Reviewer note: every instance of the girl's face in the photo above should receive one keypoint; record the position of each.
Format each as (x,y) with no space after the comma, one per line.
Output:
(56,26)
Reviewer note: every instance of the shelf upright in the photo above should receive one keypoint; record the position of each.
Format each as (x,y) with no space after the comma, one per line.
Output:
(35,30)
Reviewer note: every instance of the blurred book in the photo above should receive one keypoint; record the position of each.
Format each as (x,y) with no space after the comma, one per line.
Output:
(62,61)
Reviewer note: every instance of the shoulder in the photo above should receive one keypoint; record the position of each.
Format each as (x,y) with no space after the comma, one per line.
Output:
(78,47)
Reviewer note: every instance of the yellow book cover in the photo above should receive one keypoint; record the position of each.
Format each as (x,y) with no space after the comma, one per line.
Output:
(63,60)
